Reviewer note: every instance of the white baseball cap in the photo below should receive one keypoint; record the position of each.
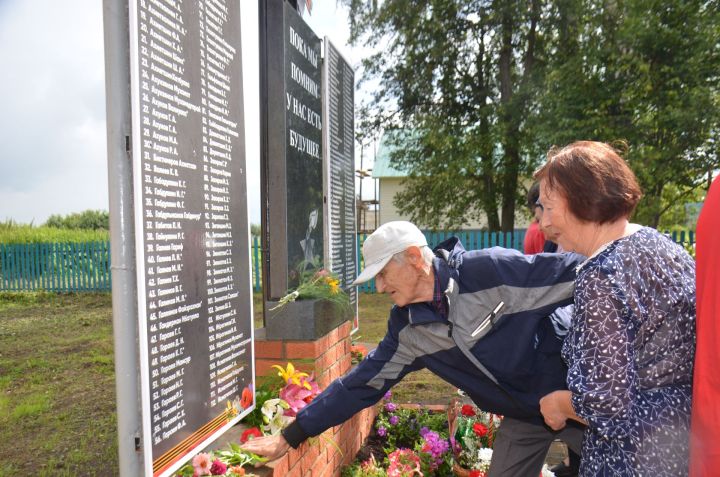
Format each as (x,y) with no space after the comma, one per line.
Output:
(386,241)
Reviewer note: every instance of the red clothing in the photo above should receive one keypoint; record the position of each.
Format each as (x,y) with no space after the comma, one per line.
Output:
(705,428)
(534,239)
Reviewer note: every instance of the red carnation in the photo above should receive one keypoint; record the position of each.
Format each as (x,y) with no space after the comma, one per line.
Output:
(218,468)
(251,433)
(480,429)
(467,410)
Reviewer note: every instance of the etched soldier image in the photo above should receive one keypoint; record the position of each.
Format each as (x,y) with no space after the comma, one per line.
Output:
(308,244)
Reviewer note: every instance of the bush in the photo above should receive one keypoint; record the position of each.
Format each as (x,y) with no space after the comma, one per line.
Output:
(87,220)
(13,233)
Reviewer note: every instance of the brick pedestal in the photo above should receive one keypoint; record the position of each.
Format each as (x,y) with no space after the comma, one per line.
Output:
(329,358)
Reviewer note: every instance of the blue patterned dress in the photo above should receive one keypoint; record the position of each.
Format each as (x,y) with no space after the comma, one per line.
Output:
(630,356)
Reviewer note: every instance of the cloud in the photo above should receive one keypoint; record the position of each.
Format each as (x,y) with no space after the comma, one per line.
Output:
(52,129)
(53,156)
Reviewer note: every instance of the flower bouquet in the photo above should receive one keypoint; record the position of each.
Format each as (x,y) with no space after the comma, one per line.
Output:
(322,285)
(472,434)
(275,413)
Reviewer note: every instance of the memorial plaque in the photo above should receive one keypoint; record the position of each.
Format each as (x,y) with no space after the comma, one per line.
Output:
(339,137)
(292,148)
(192,244)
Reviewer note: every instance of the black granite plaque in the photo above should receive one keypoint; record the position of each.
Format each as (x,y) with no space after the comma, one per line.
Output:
(292,148)
(339,88)
(194,294)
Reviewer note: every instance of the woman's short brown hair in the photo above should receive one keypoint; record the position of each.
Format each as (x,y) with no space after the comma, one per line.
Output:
(596,182)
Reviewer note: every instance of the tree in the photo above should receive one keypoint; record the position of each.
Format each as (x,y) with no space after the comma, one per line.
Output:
(641,71)
(460,76)
(484,88)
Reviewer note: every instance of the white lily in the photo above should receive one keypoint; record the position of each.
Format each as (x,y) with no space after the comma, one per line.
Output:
(273,416)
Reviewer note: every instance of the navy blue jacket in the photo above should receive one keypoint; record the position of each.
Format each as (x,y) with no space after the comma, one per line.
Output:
(505,368)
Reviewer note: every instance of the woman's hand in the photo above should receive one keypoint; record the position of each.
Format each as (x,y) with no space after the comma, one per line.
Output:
(554,408)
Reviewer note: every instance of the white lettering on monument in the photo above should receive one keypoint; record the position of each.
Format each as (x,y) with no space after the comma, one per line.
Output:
(188,67)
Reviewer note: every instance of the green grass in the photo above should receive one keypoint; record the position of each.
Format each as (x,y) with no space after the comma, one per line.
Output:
(32,406)
(57,381)
(22,234)
(57,385)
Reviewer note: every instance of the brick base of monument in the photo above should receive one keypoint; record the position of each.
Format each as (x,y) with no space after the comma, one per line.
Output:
(319,457)
(329,358)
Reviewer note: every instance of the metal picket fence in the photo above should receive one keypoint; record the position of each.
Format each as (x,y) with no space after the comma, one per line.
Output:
(57,267)
(80,267)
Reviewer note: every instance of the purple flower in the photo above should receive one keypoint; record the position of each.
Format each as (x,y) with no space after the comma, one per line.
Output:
(382,432)
(424,430)
(435,446)
(388,396)
(394,420)
(390,407)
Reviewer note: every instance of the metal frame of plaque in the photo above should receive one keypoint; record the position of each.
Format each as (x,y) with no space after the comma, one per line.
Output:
(339,170)
(291,147)
(194,341)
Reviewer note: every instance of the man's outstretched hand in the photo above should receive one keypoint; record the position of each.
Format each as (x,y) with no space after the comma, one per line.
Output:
(272,447)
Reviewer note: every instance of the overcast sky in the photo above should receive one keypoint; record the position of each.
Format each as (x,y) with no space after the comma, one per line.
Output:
(53,157)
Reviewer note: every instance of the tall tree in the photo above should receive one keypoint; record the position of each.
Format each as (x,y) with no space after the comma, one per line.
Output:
(458,77)
(646,72)
(483,88)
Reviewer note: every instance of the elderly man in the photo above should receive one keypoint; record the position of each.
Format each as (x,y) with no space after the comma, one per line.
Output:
(479,320)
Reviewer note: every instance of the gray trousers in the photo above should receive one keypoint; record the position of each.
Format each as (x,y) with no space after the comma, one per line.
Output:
(520,446)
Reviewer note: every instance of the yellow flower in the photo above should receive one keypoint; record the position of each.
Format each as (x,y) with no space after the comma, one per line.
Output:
(289,374)
(334,286)
(231,410)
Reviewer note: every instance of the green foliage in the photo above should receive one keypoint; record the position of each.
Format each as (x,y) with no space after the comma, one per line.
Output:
(459,75)
(88,219)
(406,432)
(363,469)
(14,233)
(679,210)
(487,87)
(255,230)
(645,72)
(318,285)
(411,439)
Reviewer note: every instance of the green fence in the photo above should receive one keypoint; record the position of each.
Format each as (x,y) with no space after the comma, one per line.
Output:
(76,267)
(58,267)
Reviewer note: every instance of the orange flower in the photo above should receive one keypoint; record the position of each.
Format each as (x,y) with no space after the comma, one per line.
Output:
(246,399)
(237,470)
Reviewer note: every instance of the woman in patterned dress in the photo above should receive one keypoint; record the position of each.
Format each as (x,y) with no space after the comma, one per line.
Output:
(631,346)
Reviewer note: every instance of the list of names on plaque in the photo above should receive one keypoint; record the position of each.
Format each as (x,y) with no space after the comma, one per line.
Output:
(340,87)
(194,217)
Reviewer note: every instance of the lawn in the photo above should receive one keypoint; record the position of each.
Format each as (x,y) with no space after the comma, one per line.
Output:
(57,385)
(57,381)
